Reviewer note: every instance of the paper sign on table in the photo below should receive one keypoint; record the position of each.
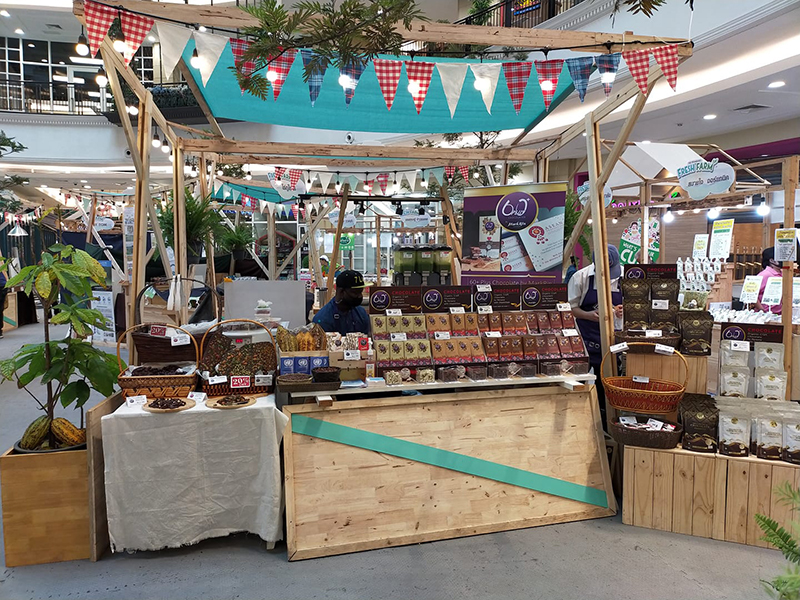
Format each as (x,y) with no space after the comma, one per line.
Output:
(564,307)
(664,349)
(197,396)
(653,333)
(399,337)
(621,347)
(484,310)
(773,291)
(700,248)
(456,310)
(394,312)
(750,289)
(352,355)
(181,339)
(721,236)
(785,246)
(136,400)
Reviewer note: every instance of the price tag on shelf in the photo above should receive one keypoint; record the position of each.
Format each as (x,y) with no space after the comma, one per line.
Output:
(641,379)
(493,334)
(399,337)
(484,310)
(741,346)
(457,310)
(158,330)
(569,332)
(617,348)
(197,396)
(664,349)
(262,380)
(136,400)
(394,312)
(564,307)
(660,304)
(483,287)
(218,379)
(441,335)
(653,333)
(352,355)
(181,339)
(240,381)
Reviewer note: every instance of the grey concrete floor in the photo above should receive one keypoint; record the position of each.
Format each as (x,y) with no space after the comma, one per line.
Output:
(599,559)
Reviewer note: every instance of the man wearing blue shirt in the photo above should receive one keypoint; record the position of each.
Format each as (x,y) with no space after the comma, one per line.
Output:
(344,313)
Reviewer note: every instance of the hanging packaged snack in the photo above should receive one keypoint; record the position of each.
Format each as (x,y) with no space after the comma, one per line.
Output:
(635,290)
(636,315)
(734,432)
(771,384)
(734,381)
(770,437)
(730,357)
(665,289)
(695,329)
(768,355)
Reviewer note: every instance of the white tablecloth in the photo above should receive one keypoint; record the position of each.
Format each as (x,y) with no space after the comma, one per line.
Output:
(178,478)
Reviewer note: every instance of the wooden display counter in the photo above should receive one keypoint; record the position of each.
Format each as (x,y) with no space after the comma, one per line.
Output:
(705,495)
(385,471)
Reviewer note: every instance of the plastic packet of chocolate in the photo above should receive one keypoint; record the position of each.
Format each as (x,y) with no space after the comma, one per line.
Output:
(770,436)
(699,416)
(665,319)
(769,355)
(790,451)
(695,329)
(734,432)
(771,384)
(635,290)
(636,315)
(728,357)
(734,381)
(665,289)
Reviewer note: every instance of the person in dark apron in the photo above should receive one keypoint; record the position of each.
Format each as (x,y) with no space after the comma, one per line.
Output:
(583,290)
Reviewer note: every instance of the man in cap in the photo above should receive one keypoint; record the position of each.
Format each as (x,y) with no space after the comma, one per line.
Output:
(344,314)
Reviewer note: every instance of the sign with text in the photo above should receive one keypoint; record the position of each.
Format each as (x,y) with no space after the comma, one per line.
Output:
(408,299)
(721,236)
(630,242)
(502,297)
(700,247)
(651,271)
(104,302)
(752,332)
(543,295)
(750,289)
(445,297)
(785,245)
(700,178)
(773,292)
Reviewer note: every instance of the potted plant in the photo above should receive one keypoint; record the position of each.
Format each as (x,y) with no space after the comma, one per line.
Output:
(237,240)
(202,224)
(40,480)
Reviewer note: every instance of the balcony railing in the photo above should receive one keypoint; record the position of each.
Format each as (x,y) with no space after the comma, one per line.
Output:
(52,98)
(519,13)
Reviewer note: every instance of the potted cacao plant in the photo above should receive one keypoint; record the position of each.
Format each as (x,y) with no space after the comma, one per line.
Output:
(39,477)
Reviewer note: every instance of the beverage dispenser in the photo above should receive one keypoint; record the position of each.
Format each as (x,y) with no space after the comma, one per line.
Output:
(404,263)
(425,262)
(442,263)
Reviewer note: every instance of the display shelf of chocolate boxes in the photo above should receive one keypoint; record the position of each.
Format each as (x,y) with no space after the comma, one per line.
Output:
(541,342)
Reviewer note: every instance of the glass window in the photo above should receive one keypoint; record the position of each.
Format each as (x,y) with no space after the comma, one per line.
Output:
(37,73)
(13,54)
(35,51)
(61,51)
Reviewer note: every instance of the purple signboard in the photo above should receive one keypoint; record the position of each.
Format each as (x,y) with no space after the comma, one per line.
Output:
(513,234)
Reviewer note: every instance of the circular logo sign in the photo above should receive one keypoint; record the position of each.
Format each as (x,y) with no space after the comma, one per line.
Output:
(734,333)
(517,211)
(432,299)
(531,297)
(380,300)
(483,298)
(635,273)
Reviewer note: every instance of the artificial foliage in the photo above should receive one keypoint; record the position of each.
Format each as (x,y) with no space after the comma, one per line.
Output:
(787,586)
(239,238)
(203,223)
(341,33)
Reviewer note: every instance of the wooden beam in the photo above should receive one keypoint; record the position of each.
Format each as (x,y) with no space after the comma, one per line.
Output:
(200,132)
(335,256)
(179,213)
(159,235)
(198,95)
(789,178)
(644,257)
(343,151)
(90,222)
(144,138)
(272,236)
(322,163)
(119,101)
(309,232)
(378,250)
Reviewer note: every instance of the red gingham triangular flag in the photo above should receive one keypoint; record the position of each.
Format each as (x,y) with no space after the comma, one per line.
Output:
(638,62)
(245,67)
(667,59)
(388,74)
(449,172)
(294,177)
(294,210)
(281,67)
(517,75)
(464,173)
(135,28)
(419,74)
(383,180)
(279,171)
(548,72)
(98,20)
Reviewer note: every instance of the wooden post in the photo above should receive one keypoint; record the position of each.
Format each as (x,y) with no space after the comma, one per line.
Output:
(644,232)
(272,238)
(144,136)
(313,250)
(92,215)
(308,235)
(211,270)
(179,215)
(339,226)
(378,249)
(789,178)
(162,248)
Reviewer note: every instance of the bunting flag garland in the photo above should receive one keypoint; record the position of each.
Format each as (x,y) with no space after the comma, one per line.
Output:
(238,47)
(262,205)
(209,49)
(353,74)
(135,28)
(517,75)
(173,39)
(486,76)
(315,81)
(410,176)
(638,62)
(548,72)
(452,76)
(579,70)
(449,172)
(464,173)
(325,178)
(419,80)
(607,64)
(388,73)
(295,208)
(667,59)
(278,71)
(369,186)
(279,171)
(294,177)
(98,21)
(383,180)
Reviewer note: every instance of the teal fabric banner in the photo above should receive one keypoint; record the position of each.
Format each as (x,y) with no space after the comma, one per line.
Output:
(359,438)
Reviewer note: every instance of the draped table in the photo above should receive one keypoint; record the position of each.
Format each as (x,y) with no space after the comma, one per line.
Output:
(175,479)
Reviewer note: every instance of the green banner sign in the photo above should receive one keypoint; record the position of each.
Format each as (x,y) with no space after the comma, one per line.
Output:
(630,242)
(347,242)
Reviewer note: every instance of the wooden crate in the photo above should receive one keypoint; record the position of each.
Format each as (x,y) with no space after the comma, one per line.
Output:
(710,496)
(343,498)
(45,507)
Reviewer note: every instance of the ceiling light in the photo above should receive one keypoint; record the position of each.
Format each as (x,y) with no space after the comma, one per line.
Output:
(584,134)
(248,176)
(202,29)
(156,141)
(773,85)
(84,181)
(19,31)
(645,141)
(668,216)
(710,117)
(119,43)
(87,187)
(133,110)
(615,220)
(477,174)
(195,60)
(272,75)
(165,148)
(151,38)
(713,214)
(763,210)
(696,210)
(590,221)
(219,172)
(80,60)
(101,78)
(171,157)
(681,212)
(31,45)
(4,13)
(345,81)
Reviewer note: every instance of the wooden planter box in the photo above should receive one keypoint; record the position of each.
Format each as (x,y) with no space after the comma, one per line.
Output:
(45,507)
(710,496)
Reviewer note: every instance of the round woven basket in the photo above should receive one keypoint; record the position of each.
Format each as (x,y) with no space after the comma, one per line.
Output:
(656,396)
(664,440)
(667,339)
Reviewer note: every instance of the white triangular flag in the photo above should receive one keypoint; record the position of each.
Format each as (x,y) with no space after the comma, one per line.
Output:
(209,49)
(411,177)
(325,178)
(452,76)
(217,185)
(270,208)
(262,205)
(236,195)
(173,39)
(486,75)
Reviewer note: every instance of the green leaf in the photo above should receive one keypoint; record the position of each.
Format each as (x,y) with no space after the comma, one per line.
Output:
(69,394)
(56,248)
(62,317)
(26,378)
(7,368)
(37,364)
(20,277)
(43,284)
(47,260)
(55,371)
(90,265)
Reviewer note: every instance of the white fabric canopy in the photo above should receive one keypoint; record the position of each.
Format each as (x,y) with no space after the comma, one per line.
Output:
(648,160)
(177,479)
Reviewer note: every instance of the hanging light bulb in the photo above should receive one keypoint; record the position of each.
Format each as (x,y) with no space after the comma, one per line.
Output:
(421,211)
(187,167)
(171,157)
(101,78)
(681,213)
(608,77)
(272,76)
(119,41)
(668,216)
(156,141)
(219,173)
(763,210)
(345,81)
(195,60)
(82,48)
(547,85)
(301,204)
(338,183)
(248,176)
(424,182)
(713,213)
(414,87)
(477,174)
(615,220)
(362,210)
(165,148)
(399,210)
(193,171)
(482,84)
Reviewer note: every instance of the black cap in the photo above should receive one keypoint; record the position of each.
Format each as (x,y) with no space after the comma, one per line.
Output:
(350,279)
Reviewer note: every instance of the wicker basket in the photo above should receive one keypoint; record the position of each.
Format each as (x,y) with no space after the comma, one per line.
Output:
(664,440)
(657,396)
(157,386)
(224,389)
(666,339)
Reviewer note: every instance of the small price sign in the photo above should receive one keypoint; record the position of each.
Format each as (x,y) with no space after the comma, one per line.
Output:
(456,310)
(483,287)
(493,334)
(262,380)
(664,349)
(181,339)
(197,396)
(484,310)
(661,304)
(240,381)
(617,348)
(740,345)
(352,355)
(218,379)
(641,379)
(399,337)
(569,332)
(136,400)
(158,330)
(394,312)
(564,307)
(441,335)
(653,333)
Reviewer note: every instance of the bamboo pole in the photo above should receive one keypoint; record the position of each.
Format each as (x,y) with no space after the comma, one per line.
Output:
(339,226)
(211,269)
(378,249)
(92,216)
(644,229)
(179,248)
(272,236)
(789,179)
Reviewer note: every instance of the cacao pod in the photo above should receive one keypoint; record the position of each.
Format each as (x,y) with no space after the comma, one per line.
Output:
(66,433)
(35,433)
